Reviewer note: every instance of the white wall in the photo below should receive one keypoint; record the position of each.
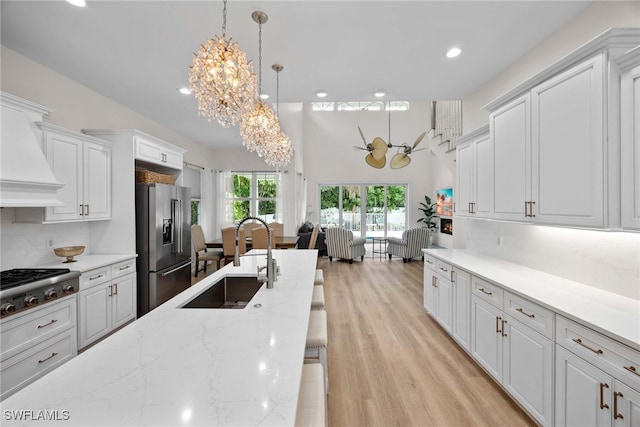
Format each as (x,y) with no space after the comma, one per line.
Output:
(606,260)
(329,156)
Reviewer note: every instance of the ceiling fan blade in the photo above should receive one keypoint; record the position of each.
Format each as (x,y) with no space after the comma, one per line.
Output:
(419,149)
(419,139)
(400,160)
(379,148)
(357,147)
(376,163)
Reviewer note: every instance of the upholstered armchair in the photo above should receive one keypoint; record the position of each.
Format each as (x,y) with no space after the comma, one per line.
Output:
(341,244)
(410,245)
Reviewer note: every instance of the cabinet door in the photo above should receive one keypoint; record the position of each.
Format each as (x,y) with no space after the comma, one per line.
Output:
(627,402)
(148,151)
(484,177)
(510,130)
(568,147)
(123,300)
(444,307)
(583,392)
(486,338)
(528,369)
(461,308)
(630,149)
(429,290)
(173,159)
(97,181)
(64,154)
(466,179)
(94,309)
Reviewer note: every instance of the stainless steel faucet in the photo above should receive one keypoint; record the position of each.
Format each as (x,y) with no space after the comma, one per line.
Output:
(271,267)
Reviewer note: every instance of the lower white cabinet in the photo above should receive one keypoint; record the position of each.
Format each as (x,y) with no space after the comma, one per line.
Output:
(461,299)
(516,356)
(36,342)
(108,304)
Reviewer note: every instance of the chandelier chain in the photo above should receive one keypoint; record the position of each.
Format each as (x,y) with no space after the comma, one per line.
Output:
(224,19)
(278,94)
(260,58)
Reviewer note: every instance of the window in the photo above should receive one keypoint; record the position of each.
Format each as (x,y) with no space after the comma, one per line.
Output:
(253,194)
(367,210)
(322,106)
(361,106)
(192,179)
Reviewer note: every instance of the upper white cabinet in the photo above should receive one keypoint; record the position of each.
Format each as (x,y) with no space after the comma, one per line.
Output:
(152,150)
(630,149)
(556,141)
(474,164)
(83,164)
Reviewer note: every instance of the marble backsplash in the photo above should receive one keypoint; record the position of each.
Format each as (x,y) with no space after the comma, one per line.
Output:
(25,245)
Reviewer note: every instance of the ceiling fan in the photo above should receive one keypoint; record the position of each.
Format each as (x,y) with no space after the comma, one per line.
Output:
(378,150)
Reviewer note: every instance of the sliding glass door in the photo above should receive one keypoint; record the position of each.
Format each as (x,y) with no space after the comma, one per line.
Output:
(367,210)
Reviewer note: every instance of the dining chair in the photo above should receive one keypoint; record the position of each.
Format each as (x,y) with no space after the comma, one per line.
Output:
(249,226)
(229,243)
(200,248)
(259,238)
(277,229)
(314,237)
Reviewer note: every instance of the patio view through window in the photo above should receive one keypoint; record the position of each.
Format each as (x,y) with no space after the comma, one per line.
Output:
(254,194)
(367,210)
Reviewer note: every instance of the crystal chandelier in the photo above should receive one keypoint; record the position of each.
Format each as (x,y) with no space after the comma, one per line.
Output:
(259,126)
(280,151)
(222,79)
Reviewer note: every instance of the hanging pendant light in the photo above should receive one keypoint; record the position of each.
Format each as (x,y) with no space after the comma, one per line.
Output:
(279,153)
(259,126)
(222,79)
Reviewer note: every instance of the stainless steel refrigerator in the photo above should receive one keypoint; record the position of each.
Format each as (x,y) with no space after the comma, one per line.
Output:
(163,241)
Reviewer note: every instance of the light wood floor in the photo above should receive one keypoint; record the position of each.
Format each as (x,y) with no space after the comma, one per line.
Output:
(390,363)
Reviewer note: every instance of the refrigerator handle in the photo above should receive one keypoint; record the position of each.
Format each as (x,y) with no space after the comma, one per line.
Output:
(176,225)
(180,247)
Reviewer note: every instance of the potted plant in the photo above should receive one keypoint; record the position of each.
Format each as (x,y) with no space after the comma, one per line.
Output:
(430,218)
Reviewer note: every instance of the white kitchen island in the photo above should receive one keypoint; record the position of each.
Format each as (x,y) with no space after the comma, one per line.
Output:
(191,367)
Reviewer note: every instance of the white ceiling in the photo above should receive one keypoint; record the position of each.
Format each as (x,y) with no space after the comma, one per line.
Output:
(137,52)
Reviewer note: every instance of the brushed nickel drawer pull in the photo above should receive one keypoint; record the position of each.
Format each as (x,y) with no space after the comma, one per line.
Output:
(434,281)
(443,269)
(503,322)
(115,289)
(498,331)
(96,277)
(632,369)
(125,267)
(602,404)
(47,324)
(616,415)
(525,313)
(485,292)
(45,359)
(429,261)
(579,341)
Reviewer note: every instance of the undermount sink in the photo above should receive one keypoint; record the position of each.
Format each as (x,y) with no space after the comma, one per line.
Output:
(228,292)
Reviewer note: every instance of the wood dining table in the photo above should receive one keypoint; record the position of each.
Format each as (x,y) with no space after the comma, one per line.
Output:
(278,242)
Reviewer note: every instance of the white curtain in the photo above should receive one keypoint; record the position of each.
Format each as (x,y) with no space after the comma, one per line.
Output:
(224,210)
(280,197)
(207,204)
(301,206)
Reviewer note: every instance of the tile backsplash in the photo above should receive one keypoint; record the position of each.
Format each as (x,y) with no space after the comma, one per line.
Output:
(25,245)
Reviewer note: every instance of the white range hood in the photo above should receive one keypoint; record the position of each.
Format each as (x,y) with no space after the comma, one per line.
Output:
(26,180)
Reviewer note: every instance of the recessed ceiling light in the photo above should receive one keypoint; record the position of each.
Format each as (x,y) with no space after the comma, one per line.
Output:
(79,3)
(453,52)
(184,91)
(379,94)
(264,96)
(321,94)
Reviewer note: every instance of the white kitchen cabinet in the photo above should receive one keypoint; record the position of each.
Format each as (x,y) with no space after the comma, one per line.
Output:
(461,325)
(429,278)
(510,130)
(107,300)
(474,163)
(153,150)
(630,148)
(567,147)
(516,356)
(83,164)
(443,297)
(36,342)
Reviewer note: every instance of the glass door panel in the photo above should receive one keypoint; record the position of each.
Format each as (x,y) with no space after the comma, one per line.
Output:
(351,212)
(396,210)
(329,206)
(375,213)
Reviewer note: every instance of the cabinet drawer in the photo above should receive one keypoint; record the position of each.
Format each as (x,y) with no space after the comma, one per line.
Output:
(444,269)
(95,277)
(23,368)
(26,330)
(123,268)
(430,262)
(487,291)
(613,357)
(529,313)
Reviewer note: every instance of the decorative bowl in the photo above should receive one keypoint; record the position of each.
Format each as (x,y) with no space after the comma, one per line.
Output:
(69,252)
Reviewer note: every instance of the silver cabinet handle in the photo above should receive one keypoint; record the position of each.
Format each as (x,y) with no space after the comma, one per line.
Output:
(47,358)
(525,313)
(115,289)
(47,324)
(485,292)
(96,277)
(443,269)
(125,267)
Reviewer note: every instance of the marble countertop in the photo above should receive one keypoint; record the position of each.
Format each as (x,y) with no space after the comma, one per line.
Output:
(191,367)
(89,262)
(609,313)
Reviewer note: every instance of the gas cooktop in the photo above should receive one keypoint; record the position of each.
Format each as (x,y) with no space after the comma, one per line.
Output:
(20,276)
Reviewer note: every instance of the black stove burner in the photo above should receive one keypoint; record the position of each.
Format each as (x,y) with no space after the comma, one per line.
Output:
(20,276)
